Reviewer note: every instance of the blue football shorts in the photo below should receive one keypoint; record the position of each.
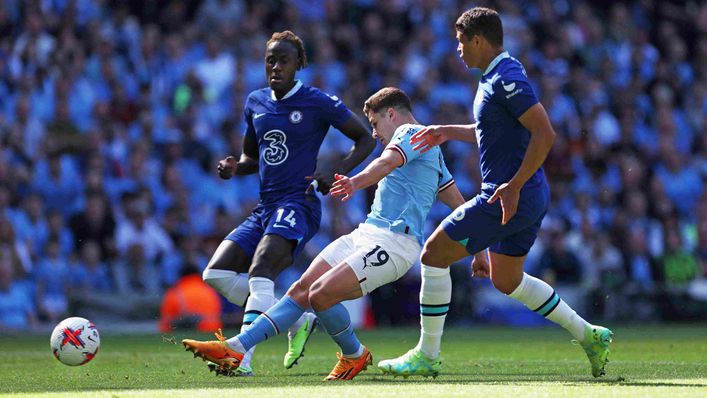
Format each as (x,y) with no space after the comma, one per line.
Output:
(293,220)
(477,224)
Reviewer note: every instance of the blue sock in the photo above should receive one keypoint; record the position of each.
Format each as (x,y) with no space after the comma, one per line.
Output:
(271,322)
(337,322)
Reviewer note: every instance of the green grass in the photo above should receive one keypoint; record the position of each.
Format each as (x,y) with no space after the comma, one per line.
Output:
(486,362)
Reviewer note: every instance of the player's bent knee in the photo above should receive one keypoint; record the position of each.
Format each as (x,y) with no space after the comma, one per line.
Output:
(319,298)
(431,258)
(299,292)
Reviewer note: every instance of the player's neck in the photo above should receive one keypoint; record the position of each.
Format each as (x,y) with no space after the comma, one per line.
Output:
(490,56)
(281,93)
(409,119)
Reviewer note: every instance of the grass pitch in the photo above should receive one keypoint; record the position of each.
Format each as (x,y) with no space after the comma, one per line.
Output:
(484,362)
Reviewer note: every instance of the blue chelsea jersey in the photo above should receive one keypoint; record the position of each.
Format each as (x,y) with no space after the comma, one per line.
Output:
(289,132)
(504,94)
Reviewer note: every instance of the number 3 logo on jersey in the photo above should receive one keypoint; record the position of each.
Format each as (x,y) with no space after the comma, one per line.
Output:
(276,152)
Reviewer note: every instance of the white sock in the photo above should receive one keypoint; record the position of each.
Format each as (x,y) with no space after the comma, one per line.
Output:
(230,284)
(435,296)
(262,297)
(235,343)
(541,298)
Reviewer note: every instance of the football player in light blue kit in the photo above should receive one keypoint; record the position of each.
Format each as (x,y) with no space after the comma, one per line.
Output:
(514,137)
(379,251)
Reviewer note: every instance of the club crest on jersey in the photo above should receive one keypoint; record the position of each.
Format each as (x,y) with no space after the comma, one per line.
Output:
(295,117)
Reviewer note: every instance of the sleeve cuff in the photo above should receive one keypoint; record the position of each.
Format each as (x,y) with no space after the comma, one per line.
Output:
(400,151)
(446,185)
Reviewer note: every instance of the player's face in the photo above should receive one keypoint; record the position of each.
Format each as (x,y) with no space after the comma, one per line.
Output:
(467,50)
(383,126)
(281,63)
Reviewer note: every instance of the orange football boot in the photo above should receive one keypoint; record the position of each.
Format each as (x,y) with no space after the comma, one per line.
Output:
(348,368)
(216,351)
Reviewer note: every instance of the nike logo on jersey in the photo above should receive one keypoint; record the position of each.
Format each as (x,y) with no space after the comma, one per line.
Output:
(508,87)
(257,115)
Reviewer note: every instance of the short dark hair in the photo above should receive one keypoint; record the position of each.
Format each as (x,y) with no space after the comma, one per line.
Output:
(481,21)
(388,97)
(292,38)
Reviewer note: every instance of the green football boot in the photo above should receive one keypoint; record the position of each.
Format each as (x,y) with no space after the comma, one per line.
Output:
(413,363)
(297,341)
(243,371)
(596,345)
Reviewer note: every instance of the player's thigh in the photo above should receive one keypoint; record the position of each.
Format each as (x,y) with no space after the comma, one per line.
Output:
(381,257)
(299,291)
(273,254)
(441,251)
(288,227)
(236,251)
(336,285)
(506,271)
(471,226)
(295,221)
(230,256)
(333,254)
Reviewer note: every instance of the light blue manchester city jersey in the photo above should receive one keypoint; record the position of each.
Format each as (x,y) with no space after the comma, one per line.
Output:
(404,196)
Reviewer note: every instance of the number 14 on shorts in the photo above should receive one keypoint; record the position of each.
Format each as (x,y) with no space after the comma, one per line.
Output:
(289,219)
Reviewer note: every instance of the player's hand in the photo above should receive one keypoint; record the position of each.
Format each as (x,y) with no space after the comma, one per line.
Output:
(480,265)
(227,167)
(427,138)
(323,183)
(509,195)
(343,186)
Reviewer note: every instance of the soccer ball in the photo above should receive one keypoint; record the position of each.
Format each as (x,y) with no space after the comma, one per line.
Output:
(75,341)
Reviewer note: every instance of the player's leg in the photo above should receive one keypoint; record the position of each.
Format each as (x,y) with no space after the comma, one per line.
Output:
(227,271)
(508,277)
(288,228)
(381,257)
(455,238)
(284,313)
(439,252)
(326,294)
(281,315)
(272,255)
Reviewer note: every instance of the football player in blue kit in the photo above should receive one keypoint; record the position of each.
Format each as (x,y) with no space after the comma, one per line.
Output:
(514,135)
(285,126)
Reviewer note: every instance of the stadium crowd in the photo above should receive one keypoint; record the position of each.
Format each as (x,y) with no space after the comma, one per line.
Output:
(113,115)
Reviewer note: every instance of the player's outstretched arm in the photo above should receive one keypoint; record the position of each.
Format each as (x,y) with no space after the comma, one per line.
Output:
(374,172)
(434,135)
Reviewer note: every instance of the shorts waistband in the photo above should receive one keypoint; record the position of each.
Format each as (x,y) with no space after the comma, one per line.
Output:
(397,228)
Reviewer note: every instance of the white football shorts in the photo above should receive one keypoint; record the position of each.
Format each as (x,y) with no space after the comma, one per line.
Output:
(376,255)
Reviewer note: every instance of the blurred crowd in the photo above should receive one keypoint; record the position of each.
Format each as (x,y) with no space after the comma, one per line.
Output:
(113,115)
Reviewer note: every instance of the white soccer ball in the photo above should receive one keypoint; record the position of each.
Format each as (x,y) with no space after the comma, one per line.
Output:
(75,341)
